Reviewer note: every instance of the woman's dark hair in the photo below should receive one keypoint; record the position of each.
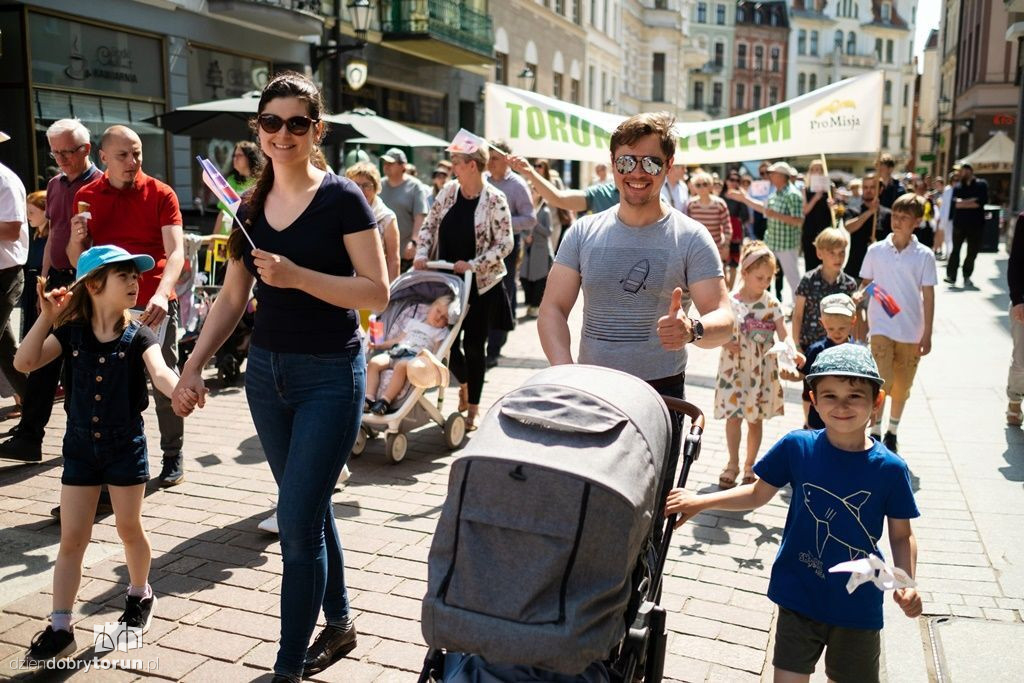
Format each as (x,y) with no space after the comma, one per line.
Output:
(286,84)
(80,305)
(253,155)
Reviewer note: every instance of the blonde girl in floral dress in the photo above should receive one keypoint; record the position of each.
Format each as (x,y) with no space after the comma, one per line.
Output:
(748,386)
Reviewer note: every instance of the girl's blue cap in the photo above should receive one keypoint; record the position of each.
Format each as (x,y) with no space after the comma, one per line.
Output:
(97,257)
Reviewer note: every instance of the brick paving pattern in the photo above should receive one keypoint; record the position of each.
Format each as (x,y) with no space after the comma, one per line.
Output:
(218,578)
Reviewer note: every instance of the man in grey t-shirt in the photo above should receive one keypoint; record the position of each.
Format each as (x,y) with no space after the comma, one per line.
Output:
(407,197)
(640,265)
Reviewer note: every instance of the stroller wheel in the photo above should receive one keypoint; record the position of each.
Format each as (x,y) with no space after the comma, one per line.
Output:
(394,447)
(455,430)
(360,445)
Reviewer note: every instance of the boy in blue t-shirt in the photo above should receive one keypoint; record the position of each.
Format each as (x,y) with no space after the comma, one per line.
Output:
(845,485)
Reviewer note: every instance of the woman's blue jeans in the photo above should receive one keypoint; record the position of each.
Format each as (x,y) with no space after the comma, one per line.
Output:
(307,409)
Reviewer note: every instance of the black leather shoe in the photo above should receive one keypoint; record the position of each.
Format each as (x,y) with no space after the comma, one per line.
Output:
(172,473)
(332,644)
(281,678)
(25,450)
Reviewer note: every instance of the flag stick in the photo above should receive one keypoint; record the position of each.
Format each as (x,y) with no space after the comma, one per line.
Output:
(824,166)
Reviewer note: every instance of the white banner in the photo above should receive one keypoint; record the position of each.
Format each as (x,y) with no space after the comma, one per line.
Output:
(845,117)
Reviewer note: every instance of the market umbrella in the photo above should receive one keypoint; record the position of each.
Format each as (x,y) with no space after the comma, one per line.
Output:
(995,156)
(377,130)
(229,119)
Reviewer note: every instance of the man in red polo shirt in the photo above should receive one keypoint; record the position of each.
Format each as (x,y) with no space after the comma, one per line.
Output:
(131,210)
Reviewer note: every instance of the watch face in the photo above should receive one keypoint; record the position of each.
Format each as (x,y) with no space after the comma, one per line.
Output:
(698,329)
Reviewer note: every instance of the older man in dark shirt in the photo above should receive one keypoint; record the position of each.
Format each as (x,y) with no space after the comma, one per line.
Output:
(70,148)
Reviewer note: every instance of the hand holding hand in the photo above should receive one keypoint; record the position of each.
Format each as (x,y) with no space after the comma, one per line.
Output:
(156,311)
(909,601)
(674,328)
(276,270)
(189,393)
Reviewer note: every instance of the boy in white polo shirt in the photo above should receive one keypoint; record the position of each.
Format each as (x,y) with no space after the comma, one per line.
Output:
(905,269)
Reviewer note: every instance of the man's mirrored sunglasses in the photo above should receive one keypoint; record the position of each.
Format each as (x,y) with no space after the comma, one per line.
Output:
(651,165)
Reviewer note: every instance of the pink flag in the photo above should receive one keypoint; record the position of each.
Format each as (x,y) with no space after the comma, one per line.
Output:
(465,142)
(226,194)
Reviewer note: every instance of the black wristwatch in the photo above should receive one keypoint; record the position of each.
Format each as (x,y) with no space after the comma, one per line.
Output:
(696,330)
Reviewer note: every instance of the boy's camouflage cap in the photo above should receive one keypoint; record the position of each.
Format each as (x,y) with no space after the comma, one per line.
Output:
(846,360)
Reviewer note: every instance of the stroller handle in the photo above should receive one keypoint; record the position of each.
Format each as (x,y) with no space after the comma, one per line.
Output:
(440,265)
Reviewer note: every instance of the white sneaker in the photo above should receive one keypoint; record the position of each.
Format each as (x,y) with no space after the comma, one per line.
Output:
(345,474)
(269,524)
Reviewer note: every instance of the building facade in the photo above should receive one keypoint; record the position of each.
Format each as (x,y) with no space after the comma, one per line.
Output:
(66,58)
(760,56)
(928,107)
(986,83)
(949,33)
(714,28)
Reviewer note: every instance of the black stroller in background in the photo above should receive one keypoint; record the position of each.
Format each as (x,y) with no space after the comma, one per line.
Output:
(548,556)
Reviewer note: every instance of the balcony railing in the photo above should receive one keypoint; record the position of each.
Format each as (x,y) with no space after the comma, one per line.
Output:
(711,67)
(445,20)
(299,17)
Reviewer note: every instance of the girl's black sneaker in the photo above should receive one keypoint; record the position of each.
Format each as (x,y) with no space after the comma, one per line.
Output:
(138,612)
(49,645)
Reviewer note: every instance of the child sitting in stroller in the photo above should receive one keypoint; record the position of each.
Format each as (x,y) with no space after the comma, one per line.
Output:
(414,335)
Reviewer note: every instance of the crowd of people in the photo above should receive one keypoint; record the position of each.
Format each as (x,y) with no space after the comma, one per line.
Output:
(666,256)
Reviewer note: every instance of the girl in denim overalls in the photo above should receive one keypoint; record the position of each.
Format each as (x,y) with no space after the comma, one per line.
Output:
(104,353)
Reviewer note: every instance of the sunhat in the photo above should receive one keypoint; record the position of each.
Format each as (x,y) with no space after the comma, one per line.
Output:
(426,371)
(782,167)
(846,360)
(97,257)
(838,304)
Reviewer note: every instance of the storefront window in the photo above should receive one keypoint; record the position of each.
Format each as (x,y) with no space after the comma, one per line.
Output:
(216,75)
(100,76)
(97,113)
(68,54)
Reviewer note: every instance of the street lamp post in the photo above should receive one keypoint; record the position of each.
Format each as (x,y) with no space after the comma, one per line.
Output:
(527,79)
(360,13)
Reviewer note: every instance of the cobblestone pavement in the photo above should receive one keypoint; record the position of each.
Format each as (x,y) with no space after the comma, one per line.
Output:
(218,577)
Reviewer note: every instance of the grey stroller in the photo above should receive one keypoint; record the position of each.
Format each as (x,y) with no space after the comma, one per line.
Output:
(414,407)
(547,560)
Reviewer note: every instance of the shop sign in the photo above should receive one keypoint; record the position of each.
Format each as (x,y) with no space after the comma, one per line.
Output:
(217,75)
(69,54)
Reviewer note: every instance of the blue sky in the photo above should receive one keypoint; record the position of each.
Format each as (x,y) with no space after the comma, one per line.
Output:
(928,14)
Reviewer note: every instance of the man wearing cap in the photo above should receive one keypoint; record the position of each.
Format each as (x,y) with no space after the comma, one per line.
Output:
(70,148)
(131,210)
(784,214)
(524,217)
(13,254)
(406,196)
(969,199)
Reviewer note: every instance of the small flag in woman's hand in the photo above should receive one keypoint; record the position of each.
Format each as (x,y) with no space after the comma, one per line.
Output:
(224,193)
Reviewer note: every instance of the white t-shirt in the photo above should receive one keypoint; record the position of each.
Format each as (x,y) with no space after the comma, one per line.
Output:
(12,209)
(419,335)
(902,274)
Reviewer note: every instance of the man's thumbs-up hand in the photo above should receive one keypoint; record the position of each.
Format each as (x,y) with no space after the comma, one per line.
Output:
(674,328)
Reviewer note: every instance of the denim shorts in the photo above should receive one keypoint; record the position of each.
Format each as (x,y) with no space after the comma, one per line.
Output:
(117,459)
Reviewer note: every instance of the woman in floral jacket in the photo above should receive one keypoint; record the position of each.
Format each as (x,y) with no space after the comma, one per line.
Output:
(470,225)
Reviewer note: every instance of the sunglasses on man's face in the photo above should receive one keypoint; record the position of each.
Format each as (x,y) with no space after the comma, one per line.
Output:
(651,165)
(297,125)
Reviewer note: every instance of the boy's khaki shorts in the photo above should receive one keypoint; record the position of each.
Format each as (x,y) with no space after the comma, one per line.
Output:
(897,364)
(851,654)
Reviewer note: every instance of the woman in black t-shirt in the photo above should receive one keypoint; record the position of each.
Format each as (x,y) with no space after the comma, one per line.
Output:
(817,214)
(317,260)
(470,225)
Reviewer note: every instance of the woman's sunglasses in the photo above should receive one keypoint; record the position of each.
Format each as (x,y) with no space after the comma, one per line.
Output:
(651,165)
(297,125)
